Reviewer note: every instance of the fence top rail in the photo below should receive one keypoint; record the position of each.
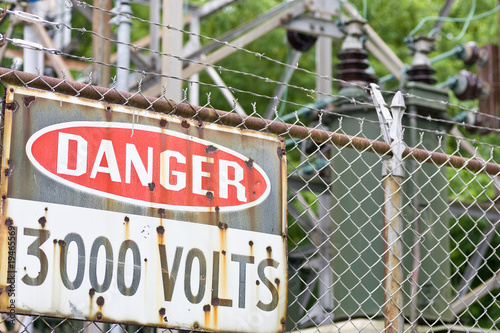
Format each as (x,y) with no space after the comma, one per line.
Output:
(138,100)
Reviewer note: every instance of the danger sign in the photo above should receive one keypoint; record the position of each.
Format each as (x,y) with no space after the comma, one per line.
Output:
(122,215)
(157,167)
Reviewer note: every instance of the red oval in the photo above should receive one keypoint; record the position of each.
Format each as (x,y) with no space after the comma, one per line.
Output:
(152,167)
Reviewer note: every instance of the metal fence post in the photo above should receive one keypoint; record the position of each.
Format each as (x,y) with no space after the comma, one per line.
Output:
(393,250)
(392,173)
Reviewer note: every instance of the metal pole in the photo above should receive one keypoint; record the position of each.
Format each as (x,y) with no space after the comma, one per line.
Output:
(194,88)
(285,78)
(33,59)
(123,48)
(393,251)
(393,173)
(228,95)
(62,36)
(326,221)
(154,31)
(171,67)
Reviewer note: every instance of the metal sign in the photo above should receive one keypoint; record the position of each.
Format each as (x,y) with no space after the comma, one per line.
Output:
(122,215)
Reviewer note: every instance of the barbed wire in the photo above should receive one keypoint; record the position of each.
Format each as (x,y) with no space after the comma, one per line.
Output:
(263,56)
(36,19)
(31,45)
(340,115)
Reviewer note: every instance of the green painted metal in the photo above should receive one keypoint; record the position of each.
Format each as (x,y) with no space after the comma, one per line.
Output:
(358,217)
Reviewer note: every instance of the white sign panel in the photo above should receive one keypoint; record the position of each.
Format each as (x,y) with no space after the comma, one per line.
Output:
(161,222)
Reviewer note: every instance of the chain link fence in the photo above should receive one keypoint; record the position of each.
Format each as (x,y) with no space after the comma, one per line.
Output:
(368,250)
(338,213)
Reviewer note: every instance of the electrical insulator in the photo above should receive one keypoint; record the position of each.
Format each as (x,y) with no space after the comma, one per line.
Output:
(470,54)
(354,66)
(467,85)
(421,70)
(422,74)
(300,41)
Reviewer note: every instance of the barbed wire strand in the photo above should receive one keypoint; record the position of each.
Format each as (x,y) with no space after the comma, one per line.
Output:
(259,55)
(232,89)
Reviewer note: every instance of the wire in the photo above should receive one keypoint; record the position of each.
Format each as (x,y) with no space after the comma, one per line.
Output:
(466,24)
(35,46)
(451,19)
(31,17)
(260,56)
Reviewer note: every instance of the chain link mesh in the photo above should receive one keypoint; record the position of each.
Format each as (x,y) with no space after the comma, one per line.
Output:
(336,220)
(339,206)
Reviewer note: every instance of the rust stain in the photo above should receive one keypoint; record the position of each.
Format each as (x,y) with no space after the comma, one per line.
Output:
(56,259)
(100,302)
(4,198)
(251,247)
(283,325)
(9,222)
(127,227)
(162,317)
(10,167)
(206,309)
(222,226)
(160,230)
(269,251)
(216,313)
(12,106)
(98,316)
(42,221)
(223,245)
(109,113)
(162,213)
(199,127)
(210,149)
(185,124)
(91,295)
(250,185)
(28,100)
(281,152)
(56,266)
(214,215)
(163,122)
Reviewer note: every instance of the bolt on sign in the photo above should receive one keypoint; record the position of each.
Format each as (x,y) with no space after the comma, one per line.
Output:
(117,214)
